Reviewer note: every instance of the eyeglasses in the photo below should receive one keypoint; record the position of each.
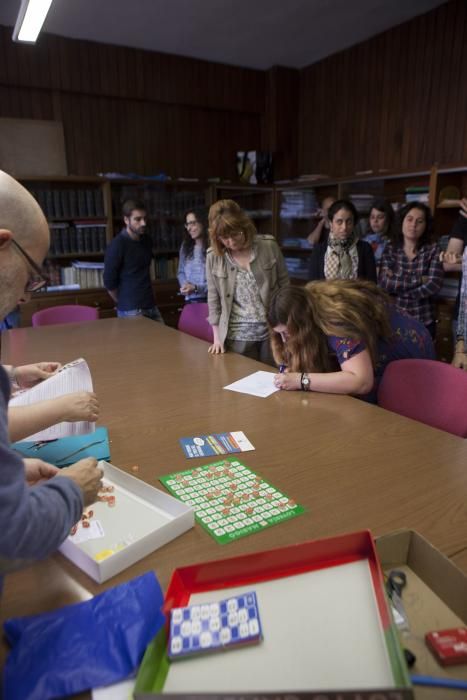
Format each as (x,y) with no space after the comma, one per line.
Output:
(37,279)
(191,223)
(234,235)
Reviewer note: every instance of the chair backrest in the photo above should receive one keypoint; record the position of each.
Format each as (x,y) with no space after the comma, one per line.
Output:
(68,313)
(193,320)
(431,392)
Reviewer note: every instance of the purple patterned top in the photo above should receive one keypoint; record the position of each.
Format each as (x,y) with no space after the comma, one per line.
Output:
(409,339)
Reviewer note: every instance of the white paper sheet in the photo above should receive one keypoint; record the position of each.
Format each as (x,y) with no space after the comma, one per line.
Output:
(118,691)
(75,376)
(256,384)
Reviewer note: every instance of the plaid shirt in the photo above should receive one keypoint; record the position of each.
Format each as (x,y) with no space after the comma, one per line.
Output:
(413,283)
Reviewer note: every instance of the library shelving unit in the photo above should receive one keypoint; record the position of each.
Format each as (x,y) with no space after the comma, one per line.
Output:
(440,186)
(258,202)
(78,211)
(296,208)
(85,213)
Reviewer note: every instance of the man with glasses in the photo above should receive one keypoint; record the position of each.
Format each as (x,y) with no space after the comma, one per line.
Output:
(127,266)
(38,502)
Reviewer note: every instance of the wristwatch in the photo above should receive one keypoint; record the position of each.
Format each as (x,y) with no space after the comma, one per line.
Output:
(305,382)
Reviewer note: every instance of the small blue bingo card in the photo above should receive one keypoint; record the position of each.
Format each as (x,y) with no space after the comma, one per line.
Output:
(208,627)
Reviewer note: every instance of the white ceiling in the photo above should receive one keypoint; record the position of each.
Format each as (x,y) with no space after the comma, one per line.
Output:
(250,33)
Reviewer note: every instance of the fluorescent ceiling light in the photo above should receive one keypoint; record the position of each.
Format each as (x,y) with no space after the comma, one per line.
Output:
(31,17)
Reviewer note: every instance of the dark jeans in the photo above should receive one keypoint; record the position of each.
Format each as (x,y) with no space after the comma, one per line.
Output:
(154,314)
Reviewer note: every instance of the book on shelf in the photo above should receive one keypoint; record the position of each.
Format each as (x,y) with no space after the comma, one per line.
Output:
(298,204)
(70,203)
(80,274)
(362,202)
(78,237)
(89,275)
(165,268)
(417,194)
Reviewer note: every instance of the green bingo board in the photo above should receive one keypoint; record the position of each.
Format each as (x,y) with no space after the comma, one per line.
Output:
(231,501)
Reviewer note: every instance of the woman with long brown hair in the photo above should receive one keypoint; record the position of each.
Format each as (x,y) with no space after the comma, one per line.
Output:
(243,269)
(339,336)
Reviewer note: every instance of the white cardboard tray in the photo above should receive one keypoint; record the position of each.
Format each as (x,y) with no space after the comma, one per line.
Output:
(142,520)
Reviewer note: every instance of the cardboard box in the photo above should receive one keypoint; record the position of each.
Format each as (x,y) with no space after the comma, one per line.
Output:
(434,598)
(142,520)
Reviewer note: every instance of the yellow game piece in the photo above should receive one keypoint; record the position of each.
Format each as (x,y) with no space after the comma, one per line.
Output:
(103,554)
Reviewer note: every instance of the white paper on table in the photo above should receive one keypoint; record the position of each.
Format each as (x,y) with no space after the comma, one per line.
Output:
(117,691)
(75,376)
(257,384)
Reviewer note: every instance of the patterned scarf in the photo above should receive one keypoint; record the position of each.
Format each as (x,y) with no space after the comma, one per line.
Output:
(341,258)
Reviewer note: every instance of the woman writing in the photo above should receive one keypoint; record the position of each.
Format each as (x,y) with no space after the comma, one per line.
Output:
(192,262)
(410,267)
(338,337)
(243,269)
(342,256)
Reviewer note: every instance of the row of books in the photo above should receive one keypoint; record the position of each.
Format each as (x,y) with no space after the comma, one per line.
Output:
(158,203)
(70,203)
(298,204)
(417,194)
(78,275)
(164,268)
(166,237)
(66,239)
(90,275)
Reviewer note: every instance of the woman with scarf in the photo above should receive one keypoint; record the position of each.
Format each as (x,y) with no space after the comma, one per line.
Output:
(342,256)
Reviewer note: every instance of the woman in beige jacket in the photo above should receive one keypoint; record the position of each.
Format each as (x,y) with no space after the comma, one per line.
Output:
(243,269)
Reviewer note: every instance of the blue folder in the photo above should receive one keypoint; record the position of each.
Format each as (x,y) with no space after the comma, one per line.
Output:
(68,450)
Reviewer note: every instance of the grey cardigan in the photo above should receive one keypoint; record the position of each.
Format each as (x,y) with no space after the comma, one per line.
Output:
(268,268)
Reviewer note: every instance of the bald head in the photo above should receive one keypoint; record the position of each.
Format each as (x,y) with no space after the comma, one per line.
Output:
(21,214)
(21,222)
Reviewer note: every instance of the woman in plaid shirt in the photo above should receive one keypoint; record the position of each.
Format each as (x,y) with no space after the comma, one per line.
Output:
(410,267)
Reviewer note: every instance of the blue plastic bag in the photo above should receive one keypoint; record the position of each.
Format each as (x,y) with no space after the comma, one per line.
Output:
(82,646)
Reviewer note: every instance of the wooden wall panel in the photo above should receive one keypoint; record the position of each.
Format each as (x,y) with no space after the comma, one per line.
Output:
(128,110)
(396,101)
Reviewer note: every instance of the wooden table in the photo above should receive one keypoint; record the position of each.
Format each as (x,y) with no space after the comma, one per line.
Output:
(351,464)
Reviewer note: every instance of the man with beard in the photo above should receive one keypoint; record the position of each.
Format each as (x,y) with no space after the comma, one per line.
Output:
(127,263)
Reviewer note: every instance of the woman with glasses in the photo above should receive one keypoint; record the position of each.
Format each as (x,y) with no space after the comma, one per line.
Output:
(192,261)
(243,269)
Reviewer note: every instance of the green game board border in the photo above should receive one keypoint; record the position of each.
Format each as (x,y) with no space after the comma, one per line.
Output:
(249,529)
